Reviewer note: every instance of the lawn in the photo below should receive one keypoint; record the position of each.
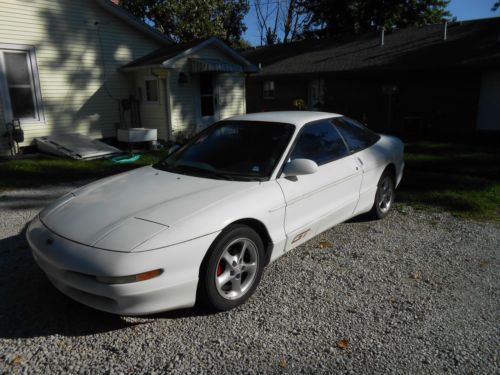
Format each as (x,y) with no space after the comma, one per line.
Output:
(463,179)
(26,173)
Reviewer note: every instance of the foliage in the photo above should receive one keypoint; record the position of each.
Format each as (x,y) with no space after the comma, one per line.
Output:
(334,17)
(186,20)
(279,21)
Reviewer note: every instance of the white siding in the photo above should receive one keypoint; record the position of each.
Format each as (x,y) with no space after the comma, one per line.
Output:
(231,94)
(79,78)
(184,101)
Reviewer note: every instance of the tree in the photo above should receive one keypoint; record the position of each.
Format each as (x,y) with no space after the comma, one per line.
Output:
(185,20)
(334,17)
(279,21)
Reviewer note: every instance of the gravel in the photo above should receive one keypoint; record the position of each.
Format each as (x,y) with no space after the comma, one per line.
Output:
(417,292)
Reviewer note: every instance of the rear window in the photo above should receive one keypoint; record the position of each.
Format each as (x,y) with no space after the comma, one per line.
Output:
(357,136)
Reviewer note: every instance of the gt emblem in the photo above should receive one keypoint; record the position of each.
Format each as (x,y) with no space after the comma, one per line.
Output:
(300,236)
(49,241)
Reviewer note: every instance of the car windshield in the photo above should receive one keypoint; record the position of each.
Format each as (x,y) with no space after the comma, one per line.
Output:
(232,150)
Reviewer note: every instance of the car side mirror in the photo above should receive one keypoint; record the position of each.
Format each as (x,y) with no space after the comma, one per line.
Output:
(174,148)
(299,167)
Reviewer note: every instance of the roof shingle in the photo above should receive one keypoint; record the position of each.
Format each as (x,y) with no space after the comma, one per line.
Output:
(469,44)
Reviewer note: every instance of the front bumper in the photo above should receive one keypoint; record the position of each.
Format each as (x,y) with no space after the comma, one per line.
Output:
(72,268)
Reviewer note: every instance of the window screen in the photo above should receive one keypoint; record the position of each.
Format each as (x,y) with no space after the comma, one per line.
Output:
(320,142)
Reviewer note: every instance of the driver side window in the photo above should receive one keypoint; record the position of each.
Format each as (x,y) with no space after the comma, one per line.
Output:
(319,141)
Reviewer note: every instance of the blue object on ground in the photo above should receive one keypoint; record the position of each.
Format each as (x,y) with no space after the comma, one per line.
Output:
(127,158)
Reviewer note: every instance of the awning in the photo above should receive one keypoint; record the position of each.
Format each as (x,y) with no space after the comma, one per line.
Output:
(213,65)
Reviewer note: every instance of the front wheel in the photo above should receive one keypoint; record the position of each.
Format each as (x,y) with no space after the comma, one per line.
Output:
(384,196)
(233,268)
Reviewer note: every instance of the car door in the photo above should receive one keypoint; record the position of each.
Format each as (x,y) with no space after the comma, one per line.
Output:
(362,144)
(318,201)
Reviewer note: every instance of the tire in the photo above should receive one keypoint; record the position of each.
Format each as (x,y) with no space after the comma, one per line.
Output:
(229,275)
(384,197)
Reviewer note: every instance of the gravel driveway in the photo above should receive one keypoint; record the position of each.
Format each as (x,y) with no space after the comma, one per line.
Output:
(415,293)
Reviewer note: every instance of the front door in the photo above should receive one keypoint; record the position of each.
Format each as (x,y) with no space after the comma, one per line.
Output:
(318,201)
(208,106)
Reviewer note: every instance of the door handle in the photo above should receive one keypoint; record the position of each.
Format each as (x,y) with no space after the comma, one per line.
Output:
(359,161)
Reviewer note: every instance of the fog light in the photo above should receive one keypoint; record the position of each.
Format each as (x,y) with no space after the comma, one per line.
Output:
(129,279)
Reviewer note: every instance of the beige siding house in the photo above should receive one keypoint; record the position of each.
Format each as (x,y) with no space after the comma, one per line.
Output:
(71,66)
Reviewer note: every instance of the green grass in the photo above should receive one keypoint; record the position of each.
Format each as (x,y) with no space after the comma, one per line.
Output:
(463,179)
(26,173)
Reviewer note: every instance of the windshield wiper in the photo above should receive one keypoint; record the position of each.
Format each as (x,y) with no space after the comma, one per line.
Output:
(202,171)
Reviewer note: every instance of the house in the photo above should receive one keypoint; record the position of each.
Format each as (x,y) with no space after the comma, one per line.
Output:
(90,67)
(422,80)
(189,86)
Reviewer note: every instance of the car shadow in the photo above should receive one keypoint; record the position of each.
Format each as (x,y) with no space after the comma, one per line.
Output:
(31,307)
(363,218)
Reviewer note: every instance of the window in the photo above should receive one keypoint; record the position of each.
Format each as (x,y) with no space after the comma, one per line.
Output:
(357,136)
(207,95)
(19,87)
(320,142)
(268,90)
(151,90)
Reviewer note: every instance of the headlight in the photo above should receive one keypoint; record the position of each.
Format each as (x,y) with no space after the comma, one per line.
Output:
(130,279)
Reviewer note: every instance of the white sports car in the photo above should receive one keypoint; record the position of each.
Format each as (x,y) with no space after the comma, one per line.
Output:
(203,223)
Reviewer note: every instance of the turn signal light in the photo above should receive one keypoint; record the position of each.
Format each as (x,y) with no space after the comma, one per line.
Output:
(130,279)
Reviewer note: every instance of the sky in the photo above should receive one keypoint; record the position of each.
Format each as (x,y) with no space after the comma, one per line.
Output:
(462,9)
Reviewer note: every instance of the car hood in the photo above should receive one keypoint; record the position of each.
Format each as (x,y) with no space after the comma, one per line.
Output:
(122,212)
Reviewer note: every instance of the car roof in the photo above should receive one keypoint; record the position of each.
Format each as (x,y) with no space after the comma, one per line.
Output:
(297,118)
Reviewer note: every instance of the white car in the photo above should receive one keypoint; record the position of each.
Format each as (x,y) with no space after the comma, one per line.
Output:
(203,223)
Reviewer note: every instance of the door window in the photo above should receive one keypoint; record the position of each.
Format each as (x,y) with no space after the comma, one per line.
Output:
(319,141)
(316,94)
(151,90)
(357,136)
(268,90)
(206,95)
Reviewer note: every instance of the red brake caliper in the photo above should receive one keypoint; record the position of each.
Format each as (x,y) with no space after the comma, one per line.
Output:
(219,270)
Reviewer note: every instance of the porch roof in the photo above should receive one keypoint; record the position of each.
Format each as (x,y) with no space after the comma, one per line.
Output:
(166,56)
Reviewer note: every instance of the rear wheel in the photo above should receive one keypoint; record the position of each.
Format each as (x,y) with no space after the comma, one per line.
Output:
(384,196)
(233,268)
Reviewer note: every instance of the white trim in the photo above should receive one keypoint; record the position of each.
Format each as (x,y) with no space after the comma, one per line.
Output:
(35,81)
(170,63)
